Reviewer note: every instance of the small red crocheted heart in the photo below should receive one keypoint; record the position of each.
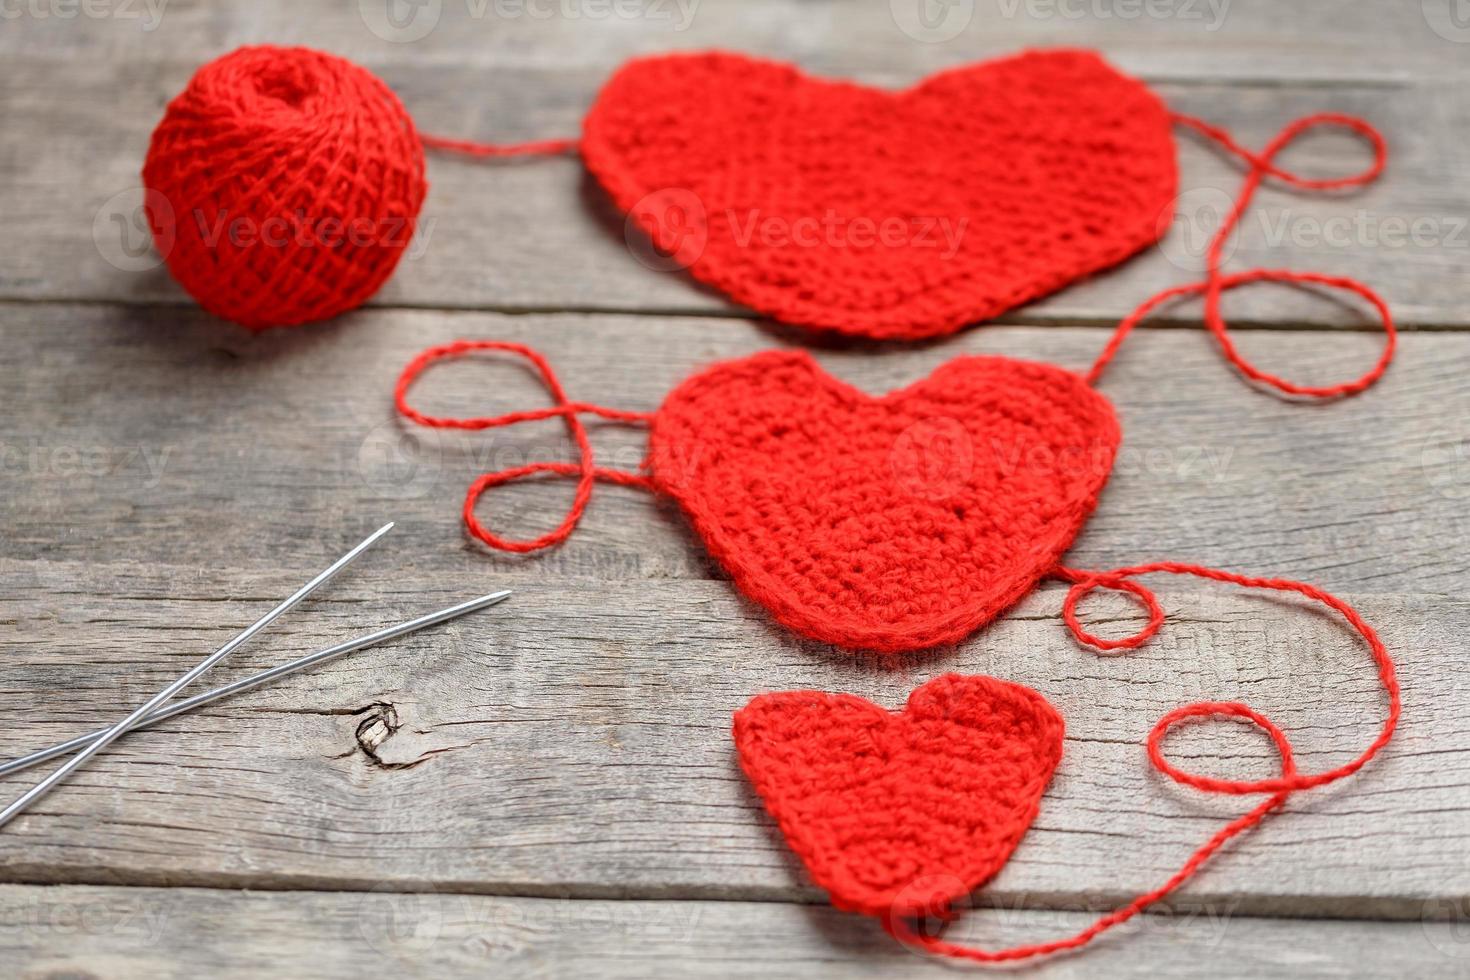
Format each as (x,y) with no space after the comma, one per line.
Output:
(890,523)
(902,813)
(886,214)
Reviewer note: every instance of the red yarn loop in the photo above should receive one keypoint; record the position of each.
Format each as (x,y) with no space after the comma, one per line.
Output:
(1211,710)
(1264,162)
(1216,284)
(1083,587)
(1280,787)
(584,469)
(1384,663)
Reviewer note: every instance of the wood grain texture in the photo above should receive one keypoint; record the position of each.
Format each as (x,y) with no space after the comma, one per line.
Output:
(549,788)
(574,741)
(154,432)
(1313,41)
(83,932)
(540,234)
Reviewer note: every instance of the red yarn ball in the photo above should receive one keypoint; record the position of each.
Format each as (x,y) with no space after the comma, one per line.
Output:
(283,185)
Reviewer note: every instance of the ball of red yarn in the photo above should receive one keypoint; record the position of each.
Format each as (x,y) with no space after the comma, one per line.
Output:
(283,185)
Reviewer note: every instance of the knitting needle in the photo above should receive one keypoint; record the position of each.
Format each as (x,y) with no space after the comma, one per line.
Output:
(264,677)
(116,731)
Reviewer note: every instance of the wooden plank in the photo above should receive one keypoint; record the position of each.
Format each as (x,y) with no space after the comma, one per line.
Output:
(574,742)
(1317,41)
(130,430)
(125,933)
(539,234)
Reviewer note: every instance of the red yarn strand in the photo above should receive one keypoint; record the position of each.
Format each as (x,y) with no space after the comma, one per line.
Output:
(492,150)
(1086,581)
(1215,283)
(1290,780)
(903,932)
(584,469)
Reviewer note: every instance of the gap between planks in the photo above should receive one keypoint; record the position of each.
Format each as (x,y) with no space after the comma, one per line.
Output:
(811,337)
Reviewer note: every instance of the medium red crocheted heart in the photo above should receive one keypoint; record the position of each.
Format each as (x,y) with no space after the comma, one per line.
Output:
(886,214)
(891,523)
(902,813)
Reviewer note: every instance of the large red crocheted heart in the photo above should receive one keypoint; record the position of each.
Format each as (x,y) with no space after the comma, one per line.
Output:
(890,523)
(902,813)
(886,214)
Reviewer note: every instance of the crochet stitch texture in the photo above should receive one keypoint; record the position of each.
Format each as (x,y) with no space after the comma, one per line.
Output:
(902,814)
(905,521)
(890,523)
(835,751)
(284,185)
(886,214)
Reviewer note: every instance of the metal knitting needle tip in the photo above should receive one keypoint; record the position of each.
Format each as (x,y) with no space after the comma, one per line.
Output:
(162,697)
(264,677)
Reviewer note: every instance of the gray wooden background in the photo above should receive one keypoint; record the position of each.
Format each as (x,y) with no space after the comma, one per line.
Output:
(549,788)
